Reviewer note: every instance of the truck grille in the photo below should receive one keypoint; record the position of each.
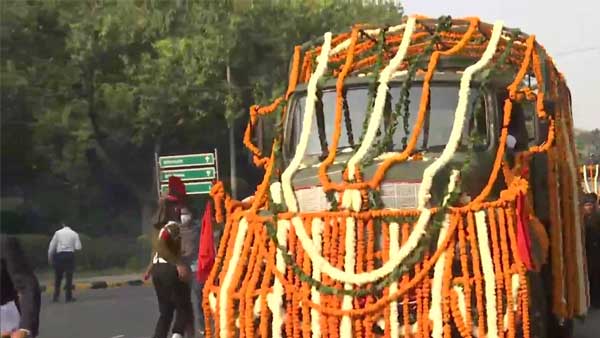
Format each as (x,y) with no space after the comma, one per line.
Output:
(400,195)
(395,195)
(312,199)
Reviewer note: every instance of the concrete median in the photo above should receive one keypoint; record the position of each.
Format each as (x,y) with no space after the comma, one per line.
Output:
(98,284)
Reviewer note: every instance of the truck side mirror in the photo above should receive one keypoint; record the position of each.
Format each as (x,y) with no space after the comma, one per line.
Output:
(549,107)
(265,132)
(259,135)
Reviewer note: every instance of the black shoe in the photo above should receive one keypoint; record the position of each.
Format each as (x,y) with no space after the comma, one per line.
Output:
(54,299)
(71,300)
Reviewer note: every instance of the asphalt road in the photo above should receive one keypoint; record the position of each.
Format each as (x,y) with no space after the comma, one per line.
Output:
(131,312)
(127,312)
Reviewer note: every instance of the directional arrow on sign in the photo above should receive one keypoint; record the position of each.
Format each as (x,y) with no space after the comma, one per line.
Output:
(193,188)
(192,160)
(189,174)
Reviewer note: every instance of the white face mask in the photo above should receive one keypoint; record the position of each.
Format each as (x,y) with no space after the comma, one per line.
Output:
(185,218)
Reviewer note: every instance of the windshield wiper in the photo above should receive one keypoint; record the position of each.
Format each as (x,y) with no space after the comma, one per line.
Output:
(321,126)
(427,122)
(347,120)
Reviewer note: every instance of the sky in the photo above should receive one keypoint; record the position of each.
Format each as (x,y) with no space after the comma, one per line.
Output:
(570,31)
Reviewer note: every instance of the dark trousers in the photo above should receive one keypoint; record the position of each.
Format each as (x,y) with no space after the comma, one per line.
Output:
(594,279)
(64,264)
(173,300)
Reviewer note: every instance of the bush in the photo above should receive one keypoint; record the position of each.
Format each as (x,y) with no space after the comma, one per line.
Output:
(105,253)
(35,247)
(97,254)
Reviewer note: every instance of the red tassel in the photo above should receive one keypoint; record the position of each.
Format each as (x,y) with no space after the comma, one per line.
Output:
(206,249)
(164,234)
(523,240)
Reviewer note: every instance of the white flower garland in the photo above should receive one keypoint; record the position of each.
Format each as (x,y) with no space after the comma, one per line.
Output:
(351,199)
(515,284)
(394,247)
(459,116)
(435,312)
(585,179)
(349,265)
(224,292)
(257,306)
(381,323)
(414,328)
(596,180)
(419,229)
(317,227)
(399,73)
(310,106)
(275,189)
(487,265)
(462,308)
(365,277)
(380,99)
(581,276)
(462,305)
(370,32)
(212,301)
(275,298)
(451,185)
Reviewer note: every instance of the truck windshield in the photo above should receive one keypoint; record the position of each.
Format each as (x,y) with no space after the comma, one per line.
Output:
(434,135)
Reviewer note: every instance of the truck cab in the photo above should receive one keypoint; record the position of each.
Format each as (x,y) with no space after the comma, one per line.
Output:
(420,179)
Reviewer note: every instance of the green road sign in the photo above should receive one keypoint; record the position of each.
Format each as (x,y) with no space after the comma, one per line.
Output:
(189,174)
(186,160)
(193,188)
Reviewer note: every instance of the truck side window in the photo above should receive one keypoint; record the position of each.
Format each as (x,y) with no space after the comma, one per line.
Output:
(476,129)
(529,113)
(517,127)
(522,122)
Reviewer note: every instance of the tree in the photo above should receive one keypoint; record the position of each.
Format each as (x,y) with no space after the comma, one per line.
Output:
(92,89)
(588,146)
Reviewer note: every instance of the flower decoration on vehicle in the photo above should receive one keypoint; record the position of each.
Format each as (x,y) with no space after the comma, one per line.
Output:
(451,264)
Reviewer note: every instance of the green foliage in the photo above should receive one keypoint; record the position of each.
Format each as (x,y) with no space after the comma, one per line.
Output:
(99,253)
(588,146)
(35,247)
(91,89)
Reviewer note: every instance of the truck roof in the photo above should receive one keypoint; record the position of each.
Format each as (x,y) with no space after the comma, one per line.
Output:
(368,47)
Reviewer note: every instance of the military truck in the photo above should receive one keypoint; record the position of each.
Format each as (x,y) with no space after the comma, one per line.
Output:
(420,180)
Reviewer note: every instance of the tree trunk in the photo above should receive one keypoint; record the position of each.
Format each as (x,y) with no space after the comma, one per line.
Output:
(148,205)
(147,210)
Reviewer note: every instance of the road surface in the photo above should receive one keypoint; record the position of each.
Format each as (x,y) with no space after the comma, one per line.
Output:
(127,312)
(130,312)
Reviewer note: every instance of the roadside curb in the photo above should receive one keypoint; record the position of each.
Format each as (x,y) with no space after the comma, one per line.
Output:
(97,285)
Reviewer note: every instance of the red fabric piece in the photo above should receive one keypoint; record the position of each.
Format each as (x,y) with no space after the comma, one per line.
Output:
(206,249)
(176,189)
(164,234)
(523,239)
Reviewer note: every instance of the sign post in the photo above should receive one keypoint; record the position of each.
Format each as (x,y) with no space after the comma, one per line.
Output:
(197,171)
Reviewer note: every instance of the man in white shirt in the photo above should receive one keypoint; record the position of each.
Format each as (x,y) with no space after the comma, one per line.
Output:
(61,255)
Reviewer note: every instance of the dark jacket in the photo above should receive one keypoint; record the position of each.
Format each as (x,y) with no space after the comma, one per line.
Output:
(19,284)
(168,218)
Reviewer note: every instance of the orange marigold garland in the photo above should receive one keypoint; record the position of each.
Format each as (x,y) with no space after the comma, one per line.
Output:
(497,257)
(477,274)
(252,281)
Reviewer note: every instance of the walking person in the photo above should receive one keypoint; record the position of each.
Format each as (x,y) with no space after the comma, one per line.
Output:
(190,237)
(61,255)
(592,228)
(19,292)
(170,274)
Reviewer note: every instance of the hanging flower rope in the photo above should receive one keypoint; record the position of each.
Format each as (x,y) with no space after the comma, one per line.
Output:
(358,269)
